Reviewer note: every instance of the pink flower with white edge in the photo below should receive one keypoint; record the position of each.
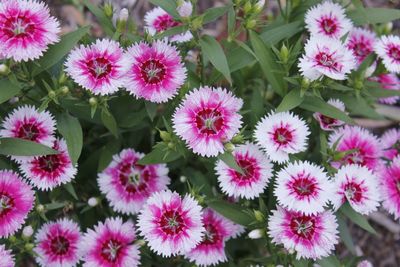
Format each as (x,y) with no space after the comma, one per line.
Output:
(390,187)
(185,8)
(6,258)
(388,49)
(257,170)
(127,185)
(158,20)
(312,237)
(26,122)
(211,250)
(328,19)
(282,134)
(326,57)
(156,71)
(99,67)
(388,81)
(361,42)
(359,186)
(49,171)
(366,147)
(57,244)
(327,123)
(303,187)
(171,225)
(26,29)
(365,263)
(110,244)
(207,118)
(16,200)
(390,141)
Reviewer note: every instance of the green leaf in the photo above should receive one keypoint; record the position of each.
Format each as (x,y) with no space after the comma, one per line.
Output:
(373,15)
(54,205)
(133,119)
(345,234)
(229,160)
(279,33)
(231,211)
(109,122)
(355,217)
(172,31)
(104,21)
(168,5)
(107,153)
(301,263)
(381,92)
(214,13)
(214,52)
(267,62)
(58,51)
(70,128)
(71,190)
(21,147)
(8,90)
(151,109)
(290,101)
(330,261)
(160,154)
(359,106)
(316,104)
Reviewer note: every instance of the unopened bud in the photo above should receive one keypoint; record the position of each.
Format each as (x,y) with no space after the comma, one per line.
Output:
(183,179)
(358,85)
(63,78)
(92,202)
(12,239)
(229,147)
(305,83)
(251,24)
(13,100)
(171,145)
(185,8)
(284,53)
(140,242)
(4,69)
(27,231)
(52,94)
(197,23)
(259,6)
(247,7)
(29,246)
(165,136)
(388,28)
(108,10)
(64,90)
(256,234)
(40,208)
(338,156)
(92,101)
(122,19)
(259,216)
(237,139)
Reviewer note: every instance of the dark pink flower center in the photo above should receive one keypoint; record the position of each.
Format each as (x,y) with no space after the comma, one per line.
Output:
(304,185)
(6,204)
(18,27)
(361,50)
(111,250)
(211,235)
(326,60)
(283,136)
(394,53)
(356,157)
(153,71)
(99,67)
(328,25)
(134,178)
(303,226)
(164,22)
(28,131)
(50,163)
(209,121)
(59,245)
(247,166)
(353,191)
(171,222)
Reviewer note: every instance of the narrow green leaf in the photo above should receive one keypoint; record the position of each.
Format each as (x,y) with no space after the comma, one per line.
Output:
(21,147)
(290,101)
(330,261)
(133,119)
(58,51)
(71,190)
(104,21)
(276,34)
(373,15)
(214,52)
(172,31)
(229,160)
(159,154)
(301,263)
(345,234)
(214,13)
(316,104)
(54,205)
(359,106)
(355,217)
(109,122)
(107,153)
(8,90)
(151,109)
(231,19)
(231,211)
(168,5)
(70,128)
(381,92)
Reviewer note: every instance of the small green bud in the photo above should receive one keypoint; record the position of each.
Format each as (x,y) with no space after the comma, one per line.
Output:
(52,94)
(122,19)
(171,145)
(250,24)
(63,78)
(237,139)
(258,7)
(338,155)
(387,29)
(93,101)
(247,7)
(183,179)
(64,90)
(229,147)
(165,136)
(259,216)
(358,85)
(197,23)
(40,208)
(12,239)
(4,69)
(284,53)
(108,10)
(29,246)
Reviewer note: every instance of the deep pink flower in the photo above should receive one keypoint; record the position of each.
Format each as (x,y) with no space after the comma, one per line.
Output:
(127,185)
(26,29)
(110,244)
(390,187)
(390,141)
(327,123)
(361,42)
(16,200)
(6,258)
(171,225)
(57,244)
(312,237)
(156,71)
(388,81)
(207,118)
(388,49)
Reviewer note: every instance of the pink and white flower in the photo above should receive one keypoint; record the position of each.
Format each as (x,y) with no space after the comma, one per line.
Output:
(359,186)
(327,123)
(361,42)
(390,142)
(390,187)
(57,244)
(328,19)
(367,147)
(171,225)
(312,237)
(110,244)
(158,20)
(155,72)
(281,134)
(26,29)
(303,187)
(16,200)
(127,185)
(207,118)
(257,170)
(365,263)
(49,171)
(6,258)
(388,49)
(99,67)
(211,250)
(388,81)
(326,56)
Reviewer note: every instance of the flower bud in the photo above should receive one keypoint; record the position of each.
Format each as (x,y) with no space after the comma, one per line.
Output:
(13,100)
(122,19)
(92,202)
(250,24)
(258,7)
(29,246)
(171,145)
(140,242)
(4,69)
(229,147)
(27,231)
(387,29)
(108,10)
(247,7)
(12,239)
(63,78)
(92,101)
(237,139)
(185,8)
(259,216)
(284,54)
(256,234)
(197,23)
(183,179)
(40,208)
(52,94)
(64,90)
(165,136)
